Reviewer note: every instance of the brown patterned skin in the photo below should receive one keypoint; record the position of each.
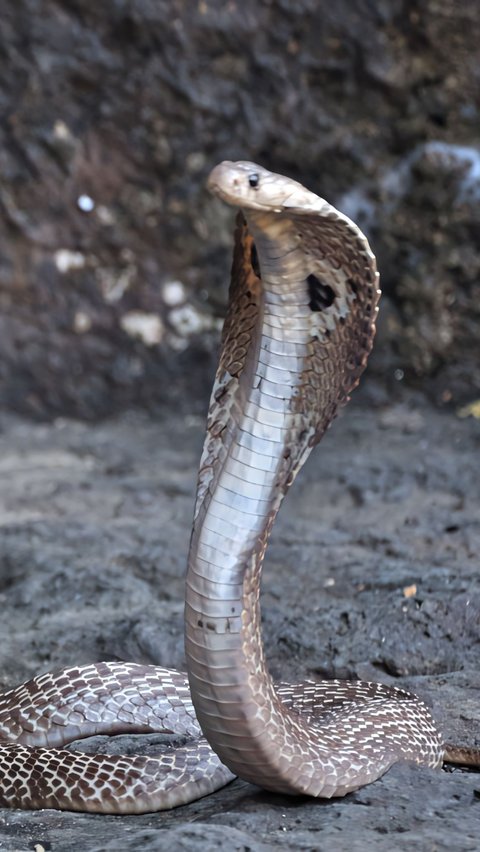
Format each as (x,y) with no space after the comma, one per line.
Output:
(299,327)
(243,301)
(40,716)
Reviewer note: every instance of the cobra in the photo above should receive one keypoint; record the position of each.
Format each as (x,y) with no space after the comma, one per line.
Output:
(298,331)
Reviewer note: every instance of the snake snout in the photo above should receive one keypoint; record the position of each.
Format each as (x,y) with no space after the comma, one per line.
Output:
(233,182)
(222,178)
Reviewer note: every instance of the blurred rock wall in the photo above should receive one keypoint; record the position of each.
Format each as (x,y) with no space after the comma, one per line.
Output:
(113,259)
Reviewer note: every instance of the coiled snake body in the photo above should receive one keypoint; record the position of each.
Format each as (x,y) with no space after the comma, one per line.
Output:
(299,327)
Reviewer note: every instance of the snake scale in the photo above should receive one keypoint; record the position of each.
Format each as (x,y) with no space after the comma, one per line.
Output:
(298,331)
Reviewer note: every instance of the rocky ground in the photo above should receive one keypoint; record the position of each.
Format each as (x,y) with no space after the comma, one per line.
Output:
(372,572)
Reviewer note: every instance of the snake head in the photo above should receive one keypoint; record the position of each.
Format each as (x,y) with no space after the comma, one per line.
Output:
(250,186)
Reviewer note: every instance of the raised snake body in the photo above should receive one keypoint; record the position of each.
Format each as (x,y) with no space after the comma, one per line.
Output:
(299,327)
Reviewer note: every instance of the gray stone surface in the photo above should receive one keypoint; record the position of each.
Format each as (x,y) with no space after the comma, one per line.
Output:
(95,524)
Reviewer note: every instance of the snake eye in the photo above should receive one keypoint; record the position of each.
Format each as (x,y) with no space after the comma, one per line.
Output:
(253,179)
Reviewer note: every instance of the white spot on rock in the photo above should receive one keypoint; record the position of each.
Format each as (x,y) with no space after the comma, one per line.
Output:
(65,260)
(105,215)
(146,327)
(187,320)
(195,161)
(81,322)
(173,293)
(85,203)
(61,131)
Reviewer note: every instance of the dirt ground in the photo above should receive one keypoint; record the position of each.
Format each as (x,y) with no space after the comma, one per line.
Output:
(372,572)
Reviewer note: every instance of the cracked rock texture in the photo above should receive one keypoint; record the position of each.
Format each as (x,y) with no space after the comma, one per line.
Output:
(113,262)
(372,572)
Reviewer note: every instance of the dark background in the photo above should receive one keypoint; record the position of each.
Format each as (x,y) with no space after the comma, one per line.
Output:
(374,105)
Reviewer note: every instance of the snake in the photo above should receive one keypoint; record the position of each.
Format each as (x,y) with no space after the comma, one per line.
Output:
(299,327)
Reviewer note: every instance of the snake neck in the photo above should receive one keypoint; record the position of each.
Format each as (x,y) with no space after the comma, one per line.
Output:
(256,440)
